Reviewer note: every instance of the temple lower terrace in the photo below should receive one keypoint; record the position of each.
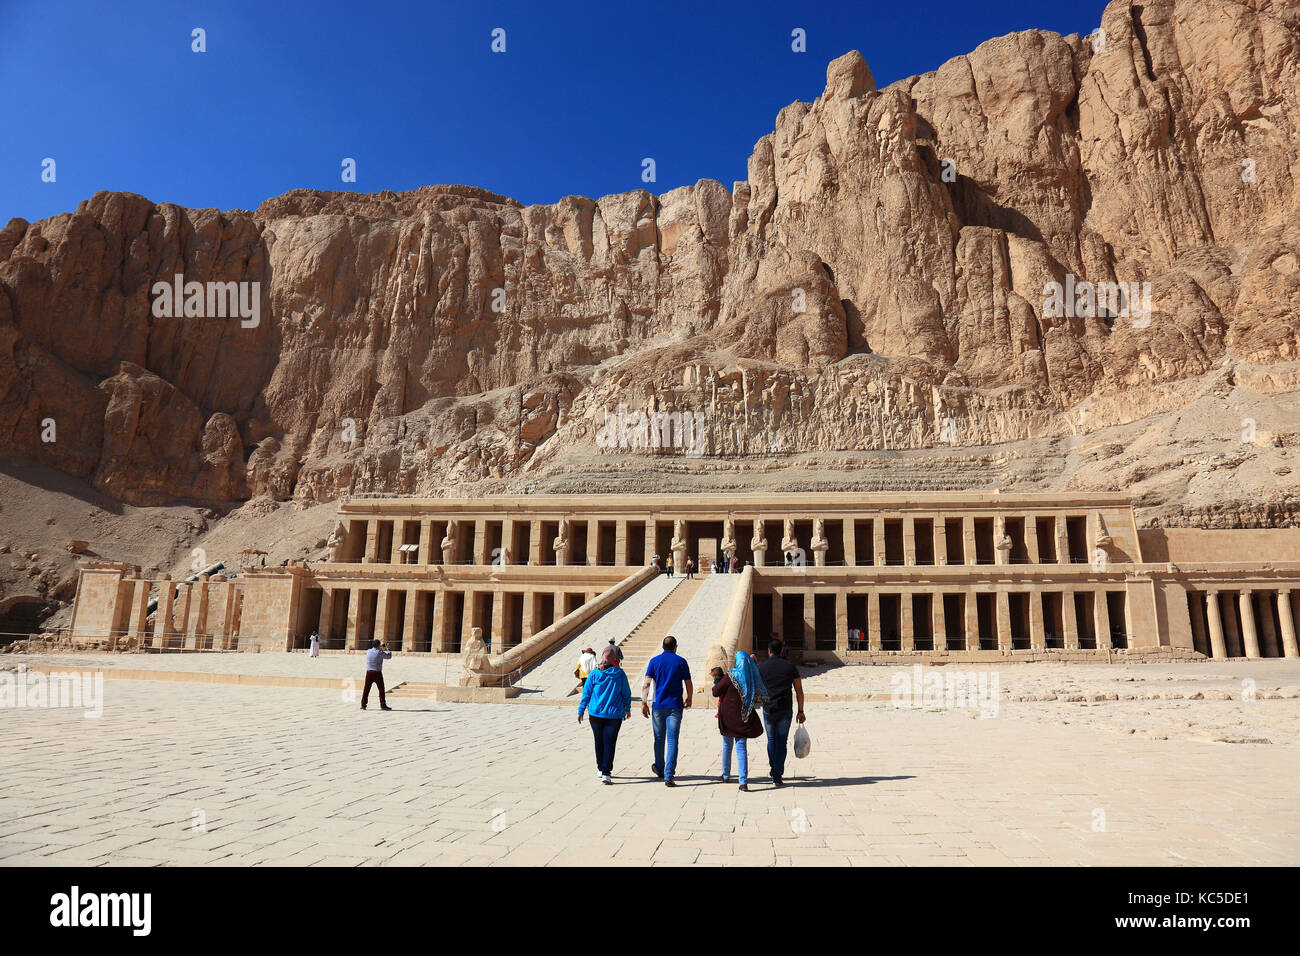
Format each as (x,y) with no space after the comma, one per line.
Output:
(506,582)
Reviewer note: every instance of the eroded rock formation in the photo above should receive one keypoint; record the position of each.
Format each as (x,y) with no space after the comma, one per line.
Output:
(876,283)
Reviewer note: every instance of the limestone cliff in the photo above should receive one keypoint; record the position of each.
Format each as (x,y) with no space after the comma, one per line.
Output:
(877,283)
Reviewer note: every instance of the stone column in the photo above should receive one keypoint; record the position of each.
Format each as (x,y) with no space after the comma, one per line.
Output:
(162,615)
(940,540)
(1249,636)
(352,637)
(530,615)
(399,538)
(181,613)
(1268,646)
(873,619)
(1037,640)
(480,541)
(878,540)
(841,622)
(139,626)
(1062,540)
(439,641)
(381,614)
(850,536)
(938,623)
(1230,630)
(499,622)
(621,557)
(809,621)
(1200,636)
(427,544)
(223,604)
(968,539)
(593,543)
(326,619)
(198,628)
(1287,620)
(1069,621)
(906,622)
(535,545)
(372,541)
(1003,615)
(972,621)
(909,541)
(778,615)
(1218,646)
(1101,614)
(1031,539)
(412,623)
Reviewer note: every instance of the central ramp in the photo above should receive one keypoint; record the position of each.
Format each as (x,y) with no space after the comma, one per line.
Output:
(553,676)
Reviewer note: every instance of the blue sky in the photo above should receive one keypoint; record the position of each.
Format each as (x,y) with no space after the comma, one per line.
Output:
(413,92)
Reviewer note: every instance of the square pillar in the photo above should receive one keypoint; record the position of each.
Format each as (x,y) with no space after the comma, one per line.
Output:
(352,637)
(778,615)
(530,615)
(938,623)
(1003,616)
(439,642)
(1062,540)
(906,624)
(480,542)
(162,618)
(878,540)
(593,543)
(535,544)
(372,541)
(1069,621)
(499,622)
(1031,539)
(399,537)
(326,619)
(1102,615)
(850,537)
(426,541)
(873,617)
(381,614)
(940,540)
(972,621)
(968,539)
(1218,645)
(139,626)
(909,541)
(409,623)
(1037,640)
(841,622)
(621,557)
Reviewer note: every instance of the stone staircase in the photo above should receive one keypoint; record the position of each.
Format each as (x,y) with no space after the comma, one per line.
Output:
(646,639)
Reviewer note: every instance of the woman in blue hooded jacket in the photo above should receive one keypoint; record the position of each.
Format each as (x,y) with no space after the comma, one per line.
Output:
(607,699)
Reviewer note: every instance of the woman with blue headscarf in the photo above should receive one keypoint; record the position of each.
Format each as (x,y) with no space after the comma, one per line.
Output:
(741,693)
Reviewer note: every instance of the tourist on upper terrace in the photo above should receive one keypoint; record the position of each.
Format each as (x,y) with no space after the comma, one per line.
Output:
(742,692)
(670,674)
(735,564)
(607,699)
(779,676)
(375,658)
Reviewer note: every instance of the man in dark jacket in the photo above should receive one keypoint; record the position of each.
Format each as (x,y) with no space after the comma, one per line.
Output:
(780,676)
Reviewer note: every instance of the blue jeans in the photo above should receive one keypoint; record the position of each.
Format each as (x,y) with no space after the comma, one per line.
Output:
(778,737)
(742,757)
(667,722)
(605,731)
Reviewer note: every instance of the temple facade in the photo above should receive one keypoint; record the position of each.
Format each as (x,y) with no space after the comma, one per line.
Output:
(837,576)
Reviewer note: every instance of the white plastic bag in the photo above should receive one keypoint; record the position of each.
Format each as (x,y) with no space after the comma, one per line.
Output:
(802,742)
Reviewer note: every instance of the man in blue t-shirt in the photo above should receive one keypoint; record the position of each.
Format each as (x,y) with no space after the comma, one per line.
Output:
(668,672)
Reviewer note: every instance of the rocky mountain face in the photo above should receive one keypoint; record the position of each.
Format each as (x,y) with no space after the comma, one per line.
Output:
(879,282)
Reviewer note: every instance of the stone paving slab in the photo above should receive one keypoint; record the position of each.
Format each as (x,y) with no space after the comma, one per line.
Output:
(194,774)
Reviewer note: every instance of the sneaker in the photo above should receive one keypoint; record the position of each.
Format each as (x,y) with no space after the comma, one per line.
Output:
(656,771)
(606,778)
(745,787)
(778,782)
(384,707)
(669,783)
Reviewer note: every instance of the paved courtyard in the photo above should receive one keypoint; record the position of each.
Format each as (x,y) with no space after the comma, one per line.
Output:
(188,773)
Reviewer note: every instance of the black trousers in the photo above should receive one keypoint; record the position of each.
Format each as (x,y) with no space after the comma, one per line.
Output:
(605,730)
